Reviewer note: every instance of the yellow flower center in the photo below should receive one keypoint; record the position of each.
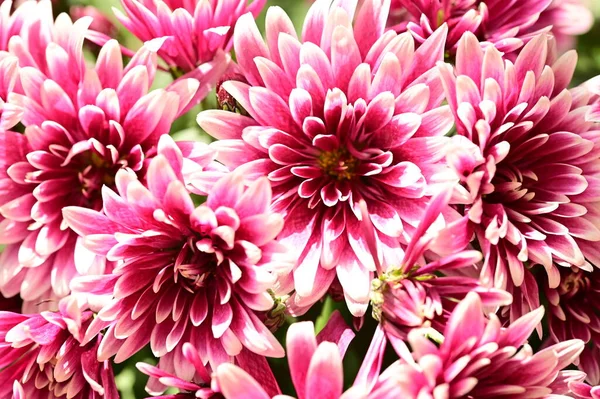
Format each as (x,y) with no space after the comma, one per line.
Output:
(339,164)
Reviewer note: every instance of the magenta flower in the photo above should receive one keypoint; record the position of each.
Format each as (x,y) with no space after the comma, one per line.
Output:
(347,113)
(43,355)
(315,365)
(478,358)
(81,128)
(416,293)
(506,25)
(12,25)
(528,163)
(186,274)
(574,312)
(197,32)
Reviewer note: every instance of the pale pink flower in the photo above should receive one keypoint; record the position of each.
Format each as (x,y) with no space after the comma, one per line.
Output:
(186,273)
(574,312)
(528,163)
(44,356)
(315,365)
(80,128)
(346,113)
(198,32)
(477,358)
(505,25)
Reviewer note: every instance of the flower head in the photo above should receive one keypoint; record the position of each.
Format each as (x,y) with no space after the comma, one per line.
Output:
(505,25)
(27,19)
(315,364)
(44,356)
(478,358)
(186,273)
(418,293)
(80,129)
(574,312)
(14,23)
(348,112)
(198,32)
(527,160)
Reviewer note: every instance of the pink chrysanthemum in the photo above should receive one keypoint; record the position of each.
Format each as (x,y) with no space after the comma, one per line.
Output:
(81,128)
(528,163)
(508,25)
(414,293)
(477,358)
(197,31)
(186,274)
(315,365)
(347,113)
(574,312)
(12,23)
(25,19)
(43,355)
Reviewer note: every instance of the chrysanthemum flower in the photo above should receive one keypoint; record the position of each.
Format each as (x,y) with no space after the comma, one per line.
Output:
(12,25)
(528,162)
(574,312)
(186,274)
(346,113)
(417,293)
(315,365)
(43,355)
(478,358)
(81,128)
(506,25)
(196,30)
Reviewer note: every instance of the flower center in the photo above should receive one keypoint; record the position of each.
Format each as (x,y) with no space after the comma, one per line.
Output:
(195,266)
(94,173)
(573,283)
(510,185)
(339,164)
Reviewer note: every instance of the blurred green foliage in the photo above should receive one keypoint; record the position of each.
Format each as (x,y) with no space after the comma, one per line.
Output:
(129,380)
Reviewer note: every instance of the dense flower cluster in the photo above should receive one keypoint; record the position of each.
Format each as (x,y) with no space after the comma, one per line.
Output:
(507,25)
(418,173)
